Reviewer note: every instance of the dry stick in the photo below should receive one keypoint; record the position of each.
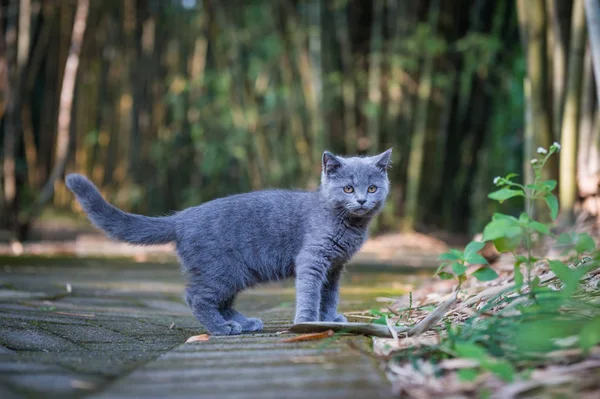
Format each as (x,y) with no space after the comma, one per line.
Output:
(392,328)
(392,311)
(378,330)
(433,317)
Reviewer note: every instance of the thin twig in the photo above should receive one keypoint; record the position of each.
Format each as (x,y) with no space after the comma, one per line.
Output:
(392,328)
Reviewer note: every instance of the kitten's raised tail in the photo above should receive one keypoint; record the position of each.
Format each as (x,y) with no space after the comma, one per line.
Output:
(119,225)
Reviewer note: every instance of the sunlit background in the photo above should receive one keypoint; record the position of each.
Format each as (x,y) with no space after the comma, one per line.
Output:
(166,104)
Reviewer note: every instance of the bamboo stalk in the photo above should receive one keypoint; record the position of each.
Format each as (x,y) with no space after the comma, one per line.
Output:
(570,125)
(559,57)
(65,109)
(348,84)
(417,147)
(374,89)
(592,11)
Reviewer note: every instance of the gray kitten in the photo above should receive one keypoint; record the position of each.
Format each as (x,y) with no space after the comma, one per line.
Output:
(232,243)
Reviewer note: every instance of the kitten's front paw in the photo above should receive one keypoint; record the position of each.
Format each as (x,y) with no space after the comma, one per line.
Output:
(251,324)
(304,319)
(230,327)
(340,318)
(337,318)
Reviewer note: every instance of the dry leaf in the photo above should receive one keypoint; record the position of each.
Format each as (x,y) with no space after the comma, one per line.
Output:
(198,338)
(310,337)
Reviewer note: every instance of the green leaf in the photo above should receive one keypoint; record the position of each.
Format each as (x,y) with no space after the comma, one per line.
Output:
(524,218)
(458,268)
(549,185)
(518,277)
(539,227)
(565,239)
(473,247)
(468,375)
(501,216)
(376,312)
(506,244)
(476,259)
(552,204)
(539,335)
(440,268)
(471,255)
(500,228)
(590,334)
(470,351)
(502,369)
(485,274)
(511,175)
(445,276)
(585,243)
(505,193)
(521,259)
(562,271)
(568,276)
(535,283)
(451,255)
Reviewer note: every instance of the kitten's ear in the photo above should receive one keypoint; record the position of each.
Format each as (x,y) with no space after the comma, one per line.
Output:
(331,163)
(384,160)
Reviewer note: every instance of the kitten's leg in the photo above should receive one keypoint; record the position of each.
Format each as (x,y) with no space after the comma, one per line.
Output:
(205,303)
(311,272)
(249,324)
(330,296)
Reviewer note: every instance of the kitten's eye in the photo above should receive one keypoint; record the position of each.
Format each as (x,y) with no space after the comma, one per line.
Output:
(348,189)
(372,189)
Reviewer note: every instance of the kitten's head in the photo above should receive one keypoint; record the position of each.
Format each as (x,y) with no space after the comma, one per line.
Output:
(358,185)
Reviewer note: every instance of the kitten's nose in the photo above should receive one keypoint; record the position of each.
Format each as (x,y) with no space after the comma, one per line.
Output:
(361,201)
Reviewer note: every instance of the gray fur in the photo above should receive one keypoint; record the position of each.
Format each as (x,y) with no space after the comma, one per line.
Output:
(232,243)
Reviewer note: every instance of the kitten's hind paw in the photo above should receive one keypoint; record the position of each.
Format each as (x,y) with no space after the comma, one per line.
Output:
(230,327)
(251,325)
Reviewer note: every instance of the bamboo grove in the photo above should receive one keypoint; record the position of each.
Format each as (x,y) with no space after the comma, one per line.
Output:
(170,103)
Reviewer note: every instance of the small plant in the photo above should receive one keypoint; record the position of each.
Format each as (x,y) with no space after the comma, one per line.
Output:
(509,233)
(456,261)
(552,314)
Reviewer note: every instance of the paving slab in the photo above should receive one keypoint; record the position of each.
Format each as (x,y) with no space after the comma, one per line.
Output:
(121,332)
(224,367)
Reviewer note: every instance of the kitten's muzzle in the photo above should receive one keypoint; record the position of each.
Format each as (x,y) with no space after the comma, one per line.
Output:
(360,211)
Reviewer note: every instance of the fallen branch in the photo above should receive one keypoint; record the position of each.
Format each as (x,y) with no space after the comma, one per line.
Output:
(377,330)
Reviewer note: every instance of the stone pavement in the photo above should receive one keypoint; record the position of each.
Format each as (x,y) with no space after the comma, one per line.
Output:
(74,328)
